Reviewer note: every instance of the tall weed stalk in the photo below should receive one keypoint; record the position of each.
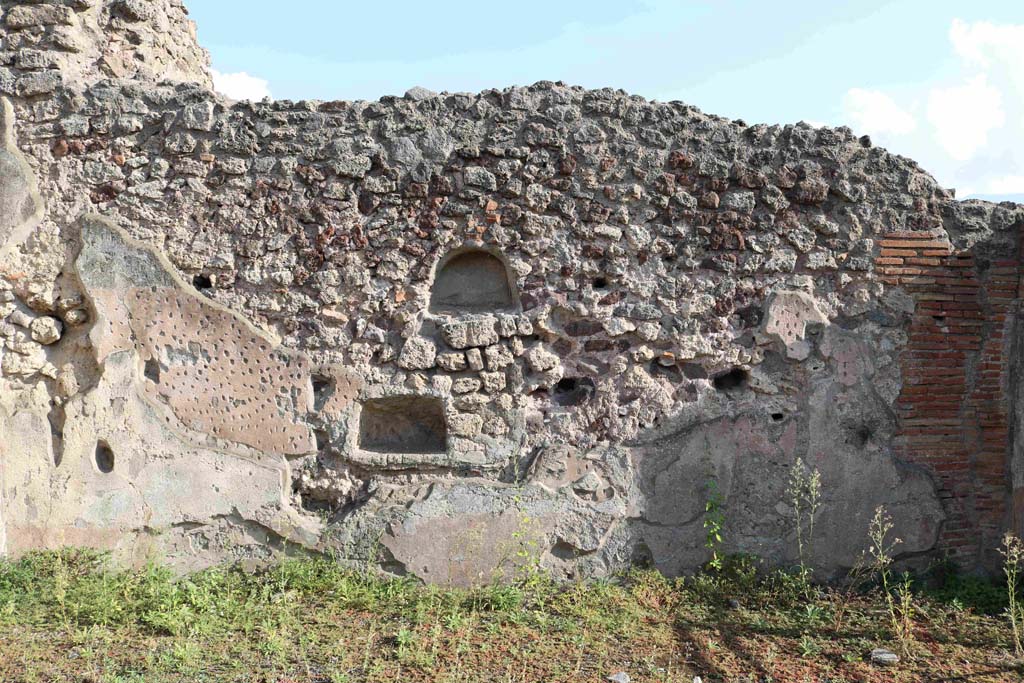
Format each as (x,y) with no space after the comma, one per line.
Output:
(899,598)
(804,493)
(1013,559)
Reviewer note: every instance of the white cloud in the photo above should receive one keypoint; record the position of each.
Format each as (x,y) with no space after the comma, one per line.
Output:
(971,132)
(963,116)
(240,86)
(984,44)
(874,112)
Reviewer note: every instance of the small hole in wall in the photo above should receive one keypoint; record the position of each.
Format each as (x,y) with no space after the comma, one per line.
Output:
(778,417)
(572,391)
(322,439)
(564,551)
(641,556)
(737,378)
(939,318)
(323,388)
(860,436)
(56,438)
(540,393)
(751,316)
(104,457)
(600,282)
(202,282)
(316,505)
(152,371)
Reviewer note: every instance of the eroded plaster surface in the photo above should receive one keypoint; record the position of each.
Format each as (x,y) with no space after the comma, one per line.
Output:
(20,204)
(440,333)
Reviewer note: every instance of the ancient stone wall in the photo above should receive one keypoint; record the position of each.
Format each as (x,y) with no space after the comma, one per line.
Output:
(441,332)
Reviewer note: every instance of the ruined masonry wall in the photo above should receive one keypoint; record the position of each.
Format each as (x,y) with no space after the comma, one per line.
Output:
(430,332)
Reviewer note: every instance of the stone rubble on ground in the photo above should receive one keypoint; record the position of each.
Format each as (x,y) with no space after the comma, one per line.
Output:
(883,657)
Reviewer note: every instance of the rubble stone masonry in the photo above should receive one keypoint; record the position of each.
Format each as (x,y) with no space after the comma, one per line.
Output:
(439,333)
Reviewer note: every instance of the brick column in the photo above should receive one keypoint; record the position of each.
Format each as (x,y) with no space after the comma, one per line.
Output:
(954,409)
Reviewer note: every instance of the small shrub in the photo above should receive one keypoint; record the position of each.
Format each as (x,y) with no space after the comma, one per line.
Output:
(714,520)
(497,598)
(960,591)
(785,589)
(652,589)
(741,571)
(809,647)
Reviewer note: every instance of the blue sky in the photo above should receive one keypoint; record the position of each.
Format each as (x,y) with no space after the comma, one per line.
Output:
(939,81)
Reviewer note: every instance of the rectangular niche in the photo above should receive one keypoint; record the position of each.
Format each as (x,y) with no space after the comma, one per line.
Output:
(403,424)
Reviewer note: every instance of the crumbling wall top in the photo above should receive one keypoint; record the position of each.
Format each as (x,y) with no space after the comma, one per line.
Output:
(81,42)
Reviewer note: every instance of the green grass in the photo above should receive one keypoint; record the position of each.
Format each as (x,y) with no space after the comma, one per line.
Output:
(67,616)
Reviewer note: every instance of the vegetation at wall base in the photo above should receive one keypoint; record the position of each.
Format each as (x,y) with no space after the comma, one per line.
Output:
(66,616)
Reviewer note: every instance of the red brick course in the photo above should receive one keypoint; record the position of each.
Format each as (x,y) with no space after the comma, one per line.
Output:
(954,409)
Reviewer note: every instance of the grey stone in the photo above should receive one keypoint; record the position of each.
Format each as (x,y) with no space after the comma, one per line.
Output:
(743,202)
(452,362)
(470,333)
(46,330)
(540,359)
(465,385)
(135,10)
(20,205)
(481,177)
(418,93)
(498,357)
(38,83)
(26,16)
(198,116)
(474,359)
(75,317)
(883,657)
(353,166)
(418,353)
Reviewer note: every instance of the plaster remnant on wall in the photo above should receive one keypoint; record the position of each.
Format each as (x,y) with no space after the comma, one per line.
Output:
(20,205)
(215,372)
(787,316)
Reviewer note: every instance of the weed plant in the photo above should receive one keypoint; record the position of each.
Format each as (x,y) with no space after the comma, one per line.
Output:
(67,615)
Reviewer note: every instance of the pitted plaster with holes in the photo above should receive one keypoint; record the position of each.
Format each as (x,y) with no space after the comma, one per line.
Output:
(442,333)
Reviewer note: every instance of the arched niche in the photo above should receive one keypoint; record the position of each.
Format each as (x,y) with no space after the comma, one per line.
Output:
(472,281)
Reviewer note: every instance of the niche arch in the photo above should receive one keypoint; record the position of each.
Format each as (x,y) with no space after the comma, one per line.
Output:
(473,280)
